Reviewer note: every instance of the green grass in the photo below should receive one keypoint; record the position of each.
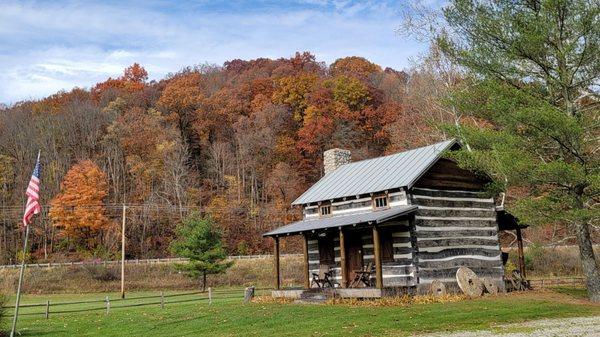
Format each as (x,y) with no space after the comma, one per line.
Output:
(577,292)
(229,317)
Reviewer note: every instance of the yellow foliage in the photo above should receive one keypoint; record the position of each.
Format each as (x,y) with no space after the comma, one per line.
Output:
(294,91)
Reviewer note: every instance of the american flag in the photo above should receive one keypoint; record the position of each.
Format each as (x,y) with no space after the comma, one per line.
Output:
(33,195)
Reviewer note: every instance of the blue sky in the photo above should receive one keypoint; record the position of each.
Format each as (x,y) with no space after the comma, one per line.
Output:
(46,46)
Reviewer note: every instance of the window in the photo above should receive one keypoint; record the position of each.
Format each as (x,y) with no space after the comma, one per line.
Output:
(310,211)
(380,202)
(325,210)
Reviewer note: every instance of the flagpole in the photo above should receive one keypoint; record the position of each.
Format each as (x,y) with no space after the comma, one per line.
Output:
(123,254)
(14,325)
(18,299)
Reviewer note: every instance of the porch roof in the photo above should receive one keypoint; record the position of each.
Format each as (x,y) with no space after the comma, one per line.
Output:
(342,220)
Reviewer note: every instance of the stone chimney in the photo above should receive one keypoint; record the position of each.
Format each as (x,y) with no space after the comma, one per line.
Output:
(335,158)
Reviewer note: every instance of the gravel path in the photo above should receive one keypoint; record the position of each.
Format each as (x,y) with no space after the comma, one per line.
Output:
(563,327)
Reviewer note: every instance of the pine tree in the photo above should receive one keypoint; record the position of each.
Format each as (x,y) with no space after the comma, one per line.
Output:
(536,67)
(200,242)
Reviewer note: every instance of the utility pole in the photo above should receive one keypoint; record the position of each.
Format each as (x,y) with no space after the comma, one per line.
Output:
(123,254)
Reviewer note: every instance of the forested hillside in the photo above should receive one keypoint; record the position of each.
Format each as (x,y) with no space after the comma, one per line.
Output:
(238,142)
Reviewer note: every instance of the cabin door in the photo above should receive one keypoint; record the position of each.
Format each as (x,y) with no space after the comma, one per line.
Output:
(354,254)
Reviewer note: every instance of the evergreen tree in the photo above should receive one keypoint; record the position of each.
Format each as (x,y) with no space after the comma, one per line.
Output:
(200,242)
(536,65)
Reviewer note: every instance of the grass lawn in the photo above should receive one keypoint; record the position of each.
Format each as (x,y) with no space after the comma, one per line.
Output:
(229,317)
(578,292)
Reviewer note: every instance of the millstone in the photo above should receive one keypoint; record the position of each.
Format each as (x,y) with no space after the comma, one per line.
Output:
(437,288)
(468,282)
(490,286)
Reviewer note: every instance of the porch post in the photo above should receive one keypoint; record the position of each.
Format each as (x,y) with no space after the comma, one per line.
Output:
(343,259)
(306,273)
(276,263)
(521,254)
(377,253)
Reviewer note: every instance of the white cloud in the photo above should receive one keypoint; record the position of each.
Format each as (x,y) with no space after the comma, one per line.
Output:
(45,47)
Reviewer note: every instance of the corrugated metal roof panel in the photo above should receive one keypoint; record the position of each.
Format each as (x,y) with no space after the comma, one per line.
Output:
(342,220)
(375,175)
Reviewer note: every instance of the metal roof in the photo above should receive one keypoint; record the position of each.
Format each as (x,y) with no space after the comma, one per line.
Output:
(375,175)
(342,220)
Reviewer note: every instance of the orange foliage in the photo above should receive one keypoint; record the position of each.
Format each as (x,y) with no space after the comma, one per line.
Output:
(133,79)
(145,138)
(241,140)
(182,94)
(55,103)
(78,210)
(354,66)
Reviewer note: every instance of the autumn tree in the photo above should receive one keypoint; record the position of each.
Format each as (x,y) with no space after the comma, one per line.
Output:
(354,66)
(78,210)
(180,99)
(133,79)
(294,91)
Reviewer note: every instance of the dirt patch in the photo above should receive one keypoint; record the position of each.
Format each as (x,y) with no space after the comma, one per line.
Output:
(575,327)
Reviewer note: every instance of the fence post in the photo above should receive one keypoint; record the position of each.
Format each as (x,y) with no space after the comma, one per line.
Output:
(107,305)
(248,294)
(47,309)
(209,295)
(162,300)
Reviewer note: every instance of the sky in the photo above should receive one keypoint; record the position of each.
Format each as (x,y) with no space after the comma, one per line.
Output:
(47,46)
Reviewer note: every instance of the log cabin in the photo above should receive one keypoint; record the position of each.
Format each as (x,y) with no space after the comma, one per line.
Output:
(403,220)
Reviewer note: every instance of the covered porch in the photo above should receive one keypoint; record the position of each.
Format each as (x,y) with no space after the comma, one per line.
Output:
(354,255)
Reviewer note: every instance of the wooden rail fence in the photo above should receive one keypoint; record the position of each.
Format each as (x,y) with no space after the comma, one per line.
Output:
(167,260)
(557,281)
(48,308)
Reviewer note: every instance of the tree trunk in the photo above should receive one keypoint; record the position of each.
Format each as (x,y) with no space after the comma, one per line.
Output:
(204,281)
(588,262)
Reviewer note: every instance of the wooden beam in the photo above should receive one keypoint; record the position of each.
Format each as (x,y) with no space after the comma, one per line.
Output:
(343,260)
(276,264)
(306,272)
(377,253)
(521,254)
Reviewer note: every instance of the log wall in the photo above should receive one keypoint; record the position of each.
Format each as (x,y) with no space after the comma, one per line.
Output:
(455,228)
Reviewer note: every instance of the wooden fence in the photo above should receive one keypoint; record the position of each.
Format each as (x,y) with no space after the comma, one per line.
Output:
(48,308)
(167,260)
(557,281)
